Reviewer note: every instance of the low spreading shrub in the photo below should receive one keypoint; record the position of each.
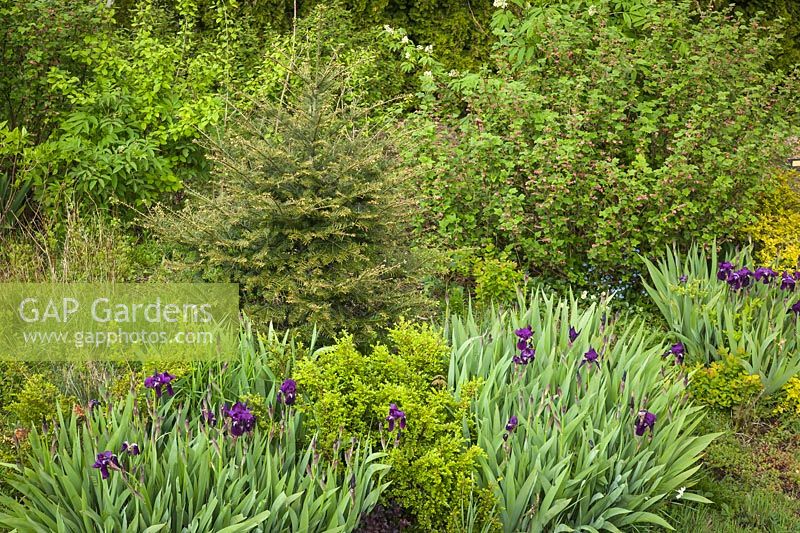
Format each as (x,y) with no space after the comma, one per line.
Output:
(724,384)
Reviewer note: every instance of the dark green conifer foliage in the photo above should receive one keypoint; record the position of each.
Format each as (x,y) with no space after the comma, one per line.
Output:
(307,212)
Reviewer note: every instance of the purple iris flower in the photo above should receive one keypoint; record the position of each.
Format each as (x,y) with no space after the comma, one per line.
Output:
(645,420)
(740,279)
(678,351)
(573,334)
(525,356)
(157,381)
(683,279)
(105,461)
(795,308)
(397,415)
(787,282)
(765,275)
(527,352)
(288,392)
(242,420)
(511,425)
(590,357)
(93,404)
(524,333)
(131,448)
(725,269)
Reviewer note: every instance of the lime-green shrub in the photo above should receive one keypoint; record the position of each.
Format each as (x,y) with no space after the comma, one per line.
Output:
(724,384)
(496,280)
(39,402)
(789,399)
(347,392)
(773,232)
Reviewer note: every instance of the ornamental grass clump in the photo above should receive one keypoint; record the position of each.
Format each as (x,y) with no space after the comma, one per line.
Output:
(725,308)
(571,448)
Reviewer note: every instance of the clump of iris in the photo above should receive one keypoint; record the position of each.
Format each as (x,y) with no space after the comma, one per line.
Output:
(741,278)
(527,353)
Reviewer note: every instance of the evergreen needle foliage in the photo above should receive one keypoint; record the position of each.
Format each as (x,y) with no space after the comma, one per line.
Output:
(307,212)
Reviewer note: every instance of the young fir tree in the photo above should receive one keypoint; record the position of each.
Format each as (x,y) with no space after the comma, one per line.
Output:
(307,212)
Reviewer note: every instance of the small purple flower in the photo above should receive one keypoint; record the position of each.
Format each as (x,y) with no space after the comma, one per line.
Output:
(739,279)
(765,275)
(678,351)
(683,279)
(573,334)
(787,282)
(396,414)
(93,404)
(131,448)
(105,461)
(288,392)
(525,356)
(525,333)
(242,420)
(795,308)
(511,425)
(590,357)
(725,269)
(157,381)
(527,352)
(645,420)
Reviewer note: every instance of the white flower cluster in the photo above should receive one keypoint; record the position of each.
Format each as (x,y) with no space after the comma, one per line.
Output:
(501,4)
(388,29)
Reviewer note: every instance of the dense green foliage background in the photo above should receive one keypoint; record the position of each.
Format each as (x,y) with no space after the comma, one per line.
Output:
(355,163)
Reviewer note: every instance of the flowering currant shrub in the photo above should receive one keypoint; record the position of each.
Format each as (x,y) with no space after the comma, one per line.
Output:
(731,306)
(593,433)
(586,140)
(397,397)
